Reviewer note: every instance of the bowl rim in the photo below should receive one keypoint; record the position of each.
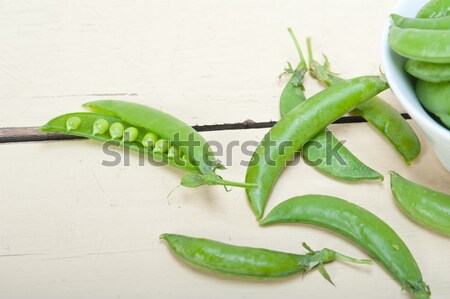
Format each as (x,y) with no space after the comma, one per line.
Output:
(417,113)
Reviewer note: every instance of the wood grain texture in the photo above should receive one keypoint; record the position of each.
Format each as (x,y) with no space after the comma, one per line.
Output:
(72,228)
(206,62)
(25,134)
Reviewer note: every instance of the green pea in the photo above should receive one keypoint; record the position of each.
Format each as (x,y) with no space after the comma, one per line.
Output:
(116,130)
(150,140)
(130,134)
(172,152)
(100,126)
(73,123)
(161,146)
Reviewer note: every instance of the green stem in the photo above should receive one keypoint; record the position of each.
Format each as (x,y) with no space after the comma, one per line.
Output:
(223,182)
(309,47)
(302,64)
(346,258)
(319,71)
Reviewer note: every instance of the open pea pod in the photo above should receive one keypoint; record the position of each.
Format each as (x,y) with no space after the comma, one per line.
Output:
(147,130)
(102,127)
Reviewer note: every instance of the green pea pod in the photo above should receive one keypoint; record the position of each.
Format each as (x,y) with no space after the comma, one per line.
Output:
(248,261)
(318,152)
(436,23)
(297,127)
(435,98)
(382,116)
(326,153)
(427,71)
(424,205)
(86,128)
(360,226)
(163,124)
(435,9)
(421,44)
(137,121)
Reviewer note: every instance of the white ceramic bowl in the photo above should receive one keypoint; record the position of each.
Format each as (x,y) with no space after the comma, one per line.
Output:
(402,86)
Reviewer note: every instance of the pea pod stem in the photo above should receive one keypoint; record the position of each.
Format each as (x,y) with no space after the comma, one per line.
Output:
(372,234)
(251,262)
(382,116)
(302,64)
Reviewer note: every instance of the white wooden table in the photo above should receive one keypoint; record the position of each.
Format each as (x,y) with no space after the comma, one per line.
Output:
(72,228)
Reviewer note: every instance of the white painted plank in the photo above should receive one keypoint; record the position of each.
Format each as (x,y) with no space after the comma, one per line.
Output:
(72,228)
(203,61)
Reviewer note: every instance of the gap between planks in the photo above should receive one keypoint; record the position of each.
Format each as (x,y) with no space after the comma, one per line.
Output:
(25,134)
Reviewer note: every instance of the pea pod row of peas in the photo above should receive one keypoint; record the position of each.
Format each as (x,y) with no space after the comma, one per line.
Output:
(147,130)
(315,151)
(297,127)
(425,41)
(381,115)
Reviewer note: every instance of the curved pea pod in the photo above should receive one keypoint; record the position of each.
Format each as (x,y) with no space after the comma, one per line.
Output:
(435,97)
(136,121)
(342,164)
(436,23)
(421,44)
(165,125)
(319,151)
(380,115)
(391,125)
(297,127)
(427,71)
(250,262)
(424,205)
(371,233)
(434,9)
(87,127)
